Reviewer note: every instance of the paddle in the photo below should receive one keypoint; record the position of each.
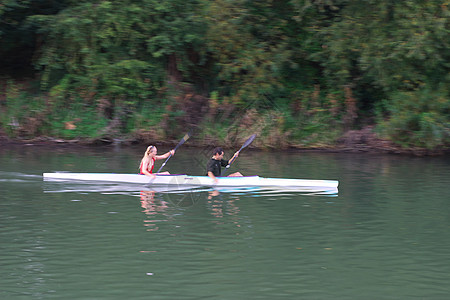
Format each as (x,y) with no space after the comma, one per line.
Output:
(184,139)
(247,142)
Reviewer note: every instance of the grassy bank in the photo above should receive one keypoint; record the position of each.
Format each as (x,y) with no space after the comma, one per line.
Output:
(311,120)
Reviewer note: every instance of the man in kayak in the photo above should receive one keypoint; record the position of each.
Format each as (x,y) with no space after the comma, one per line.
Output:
(148,161)
(213,167)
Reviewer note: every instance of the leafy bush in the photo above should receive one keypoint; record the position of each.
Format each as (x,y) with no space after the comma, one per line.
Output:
(418,118)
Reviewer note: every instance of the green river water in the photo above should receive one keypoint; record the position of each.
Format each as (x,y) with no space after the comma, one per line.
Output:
(385,235)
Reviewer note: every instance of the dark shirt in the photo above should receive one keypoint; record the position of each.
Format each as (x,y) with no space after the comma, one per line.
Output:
(214,166)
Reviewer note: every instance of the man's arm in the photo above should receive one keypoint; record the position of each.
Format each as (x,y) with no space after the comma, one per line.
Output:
(233,158)
(211,175)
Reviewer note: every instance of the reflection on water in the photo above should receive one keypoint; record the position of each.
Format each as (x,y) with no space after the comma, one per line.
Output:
(157,200)
(152,206)
(220,207)
(123,188)
(156,205)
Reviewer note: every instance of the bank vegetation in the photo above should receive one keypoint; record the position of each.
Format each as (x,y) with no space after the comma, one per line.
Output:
(299,73)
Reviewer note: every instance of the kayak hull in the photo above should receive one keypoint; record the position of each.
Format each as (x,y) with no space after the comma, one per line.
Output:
(187,180)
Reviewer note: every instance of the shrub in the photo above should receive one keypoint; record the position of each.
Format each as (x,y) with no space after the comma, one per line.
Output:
(419,118)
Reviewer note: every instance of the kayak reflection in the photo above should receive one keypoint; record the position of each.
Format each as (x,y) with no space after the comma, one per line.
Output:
(179,190)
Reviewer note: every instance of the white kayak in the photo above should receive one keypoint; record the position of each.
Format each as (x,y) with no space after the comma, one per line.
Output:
(195,181)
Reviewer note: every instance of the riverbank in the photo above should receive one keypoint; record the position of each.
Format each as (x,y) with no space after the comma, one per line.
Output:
(353,141)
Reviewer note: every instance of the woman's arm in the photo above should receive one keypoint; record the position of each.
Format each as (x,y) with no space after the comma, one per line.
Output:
(166,155)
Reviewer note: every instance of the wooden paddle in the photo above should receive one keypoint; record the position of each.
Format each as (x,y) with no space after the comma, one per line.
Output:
(247,142)
(184,139)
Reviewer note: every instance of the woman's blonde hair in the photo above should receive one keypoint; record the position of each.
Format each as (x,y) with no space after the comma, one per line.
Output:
(147,152)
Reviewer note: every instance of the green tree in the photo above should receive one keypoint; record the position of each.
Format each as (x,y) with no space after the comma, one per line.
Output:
(388,45)
(116,49)
(19,41)
(248,43)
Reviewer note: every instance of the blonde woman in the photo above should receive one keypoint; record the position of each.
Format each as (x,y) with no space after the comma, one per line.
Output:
(148,161)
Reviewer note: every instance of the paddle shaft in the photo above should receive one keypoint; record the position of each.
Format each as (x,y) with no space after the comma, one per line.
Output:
(247,142)
(184,139)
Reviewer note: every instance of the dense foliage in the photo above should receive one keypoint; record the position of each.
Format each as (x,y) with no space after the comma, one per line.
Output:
(297,72)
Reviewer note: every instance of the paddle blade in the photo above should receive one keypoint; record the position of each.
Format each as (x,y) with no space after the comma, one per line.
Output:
(184,139)
(248,141)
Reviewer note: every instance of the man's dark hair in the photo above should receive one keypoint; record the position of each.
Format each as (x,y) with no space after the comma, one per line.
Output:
(217,150)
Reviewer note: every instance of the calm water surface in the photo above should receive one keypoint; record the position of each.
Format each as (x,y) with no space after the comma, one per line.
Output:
(384,236)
